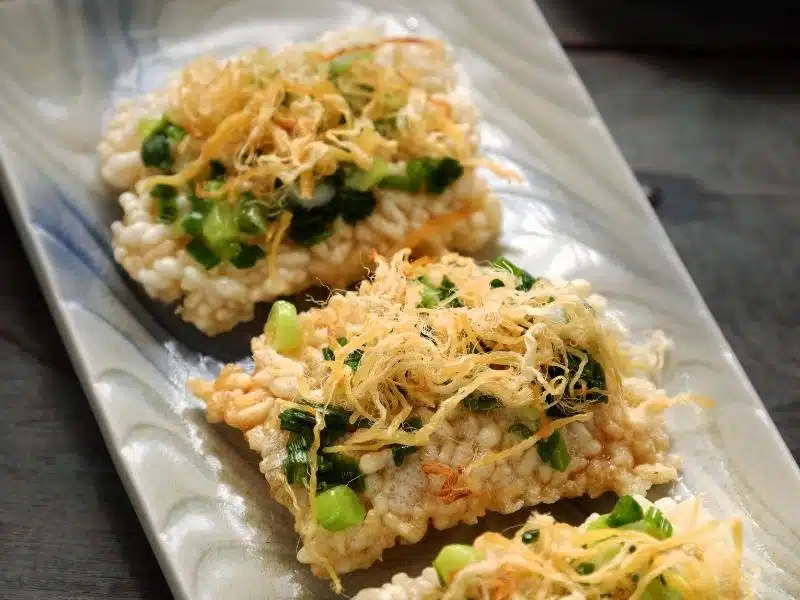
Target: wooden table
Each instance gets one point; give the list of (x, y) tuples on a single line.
[(706, 107)]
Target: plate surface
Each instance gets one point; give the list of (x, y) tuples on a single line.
[(579, 213)]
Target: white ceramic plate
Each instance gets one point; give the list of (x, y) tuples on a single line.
[(579, 214)]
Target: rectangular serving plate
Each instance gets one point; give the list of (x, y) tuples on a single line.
[(579, 213)]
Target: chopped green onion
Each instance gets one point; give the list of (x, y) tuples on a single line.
[(529, 415), (443, 174), (192, 223), (626, 511), (341, 64), (296, 420), (295, 465), (411, 424), (247, 256), (530, 536), (314, 239), (213, 185), (149, 126), (589, 388), (323, 193), (327, 354), (338, 508), (250, 218), (199, 251), (398, 182), (157, 152), (659, 526), (174, 132), (283, 329), (310, 226), (600, 522), (219, 227), (521, 430), (342, 341), (400, 451), (447, 286), (429, 297), (654, 523), (553, 451), (417, 170), (585, 568), (526, 280), (166, 202), (217, 170), (353, 359), (354, 205), (448, 291), (201, 205), (480, 402), (452, 558), (366, 180), (337, 423), (496, 283), (336, 469)]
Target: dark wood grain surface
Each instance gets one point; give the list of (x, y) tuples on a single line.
[(717, 127)]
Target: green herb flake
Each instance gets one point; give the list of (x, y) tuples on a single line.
[(204, 255), (626, 511), (353, 359), (156, 152), (530, 536), (247, 256), (553, 451), (480, 402), (521, 430), (589, 389), (442, 174), (526, 280)]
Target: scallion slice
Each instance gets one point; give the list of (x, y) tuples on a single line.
[(296, 420), (452, 558), (166, 202), (149, 126), (192, 223), (157, 152), (353, 359), (553, 451), (219, 227), (283, 330), (247, 256), (250, 218), (626, 511), (199, 251), (417, 170), (521, 430), (338, 508), (174, 132), (366, 180), (526, 280), (480, 402), (444, 173)]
